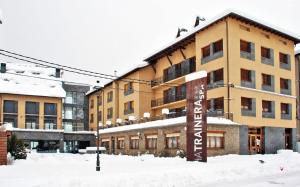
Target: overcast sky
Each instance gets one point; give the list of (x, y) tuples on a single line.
[(104, 36)]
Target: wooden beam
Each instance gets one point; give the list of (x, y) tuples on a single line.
[(169, 60), (154, 69), (182, 53)]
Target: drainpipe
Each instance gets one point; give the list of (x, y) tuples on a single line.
[(227, 59)]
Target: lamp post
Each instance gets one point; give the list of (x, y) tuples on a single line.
[(98, 138), (98, 87)]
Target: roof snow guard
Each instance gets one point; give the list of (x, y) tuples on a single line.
[(190, 36), (25, 79)]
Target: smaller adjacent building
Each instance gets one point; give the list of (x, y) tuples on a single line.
[(40, 108), (168, 137)]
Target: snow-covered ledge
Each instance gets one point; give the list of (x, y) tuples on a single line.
[(165, 123)]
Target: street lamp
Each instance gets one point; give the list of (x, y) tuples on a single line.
[(98, 87)]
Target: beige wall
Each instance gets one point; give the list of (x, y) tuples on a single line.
[(229, 30), (21, 99)]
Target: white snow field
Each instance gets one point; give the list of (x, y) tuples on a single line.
[(75, 170)]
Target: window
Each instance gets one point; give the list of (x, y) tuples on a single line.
[(246, 103), (267, 106), (69, 113), (10, 107), (245, 46), (32, 108), (215, 140), (129, 107), (110, 96), (206, 51), (128, 89), (151, 142), (92, 118), (286, 111), (92, 103), (70, 98), (218, 46), (284, 83), (109, 113), (218, 75), (266, 79), (32, 115), (31, 123), (285, 108), (265, 52), (50, 109), (50, 123), (100, 100), (134, 142), (219, 103), (120, 143), (283, 58), (172, 140), (105, 143), (212, 51), (245, 75)]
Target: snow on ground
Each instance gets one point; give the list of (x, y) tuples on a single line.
[(123, 171)]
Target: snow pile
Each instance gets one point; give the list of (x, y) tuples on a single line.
[(165, 123), (25, 79), (118, 170)]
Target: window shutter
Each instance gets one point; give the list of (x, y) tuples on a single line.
[(253, 105), (272, 55), (288, 59), (272, 81), (252, 47), (289, 85), (253, 80), (273, 107), (290, 110)]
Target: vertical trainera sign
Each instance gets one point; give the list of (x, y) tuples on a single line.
[(196, 132)]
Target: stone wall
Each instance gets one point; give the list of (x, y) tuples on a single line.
[(3, 148), (231, 143)]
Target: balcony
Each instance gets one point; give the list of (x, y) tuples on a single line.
[(215, 113), (285, 91), (129, 111), (216, 84), (268, 114), (167, 100), (248, 84), (128, 92), (156, 82)]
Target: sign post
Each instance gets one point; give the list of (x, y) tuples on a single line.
[(196, 133)]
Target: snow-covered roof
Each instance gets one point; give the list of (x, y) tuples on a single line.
[(121, 76), (27, 79), (297, 52), (230, 12), (165, 123)]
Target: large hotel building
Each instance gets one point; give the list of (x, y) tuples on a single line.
[(251, 91)]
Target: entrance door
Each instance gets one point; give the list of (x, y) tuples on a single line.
[(253, 144)]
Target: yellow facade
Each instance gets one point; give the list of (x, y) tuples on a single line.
[(231, 31), (22, 99)]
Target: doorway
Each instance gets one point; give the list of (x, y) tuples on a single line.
[(255, 140)]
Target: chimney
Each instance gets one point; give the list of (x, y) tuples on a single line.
[(198, 19), (178, 33), (115, 73), (57, 73), (3, 68)]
